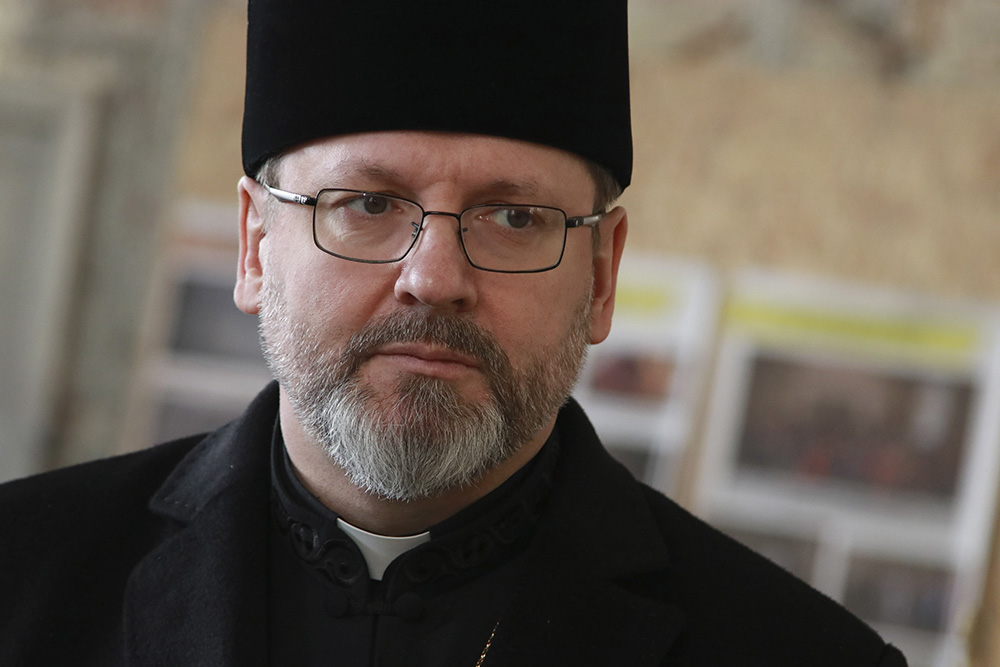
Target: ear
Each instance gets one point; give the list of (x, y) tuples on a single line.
[(249, 272), (614, 229)]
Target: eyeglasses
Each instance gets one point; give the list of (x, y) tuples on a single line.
[(374, 228)]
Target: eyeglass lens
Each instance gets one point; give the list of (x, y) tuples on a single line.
[(380, 228)]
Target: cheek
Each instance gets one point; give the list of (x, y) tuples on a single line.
[(537, 322), (333, 296)]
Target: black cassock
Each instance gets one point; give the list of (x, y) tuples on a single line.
[(184, 555), (437, 604)]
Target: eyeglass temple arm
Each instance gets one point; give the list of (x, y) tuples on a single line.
[(289, 197), (584, 221)]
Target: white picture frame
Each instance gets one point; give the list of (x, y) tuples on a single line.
[(912, 384)]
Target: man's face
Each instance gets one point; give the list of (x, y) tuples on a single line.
[(423, 374)]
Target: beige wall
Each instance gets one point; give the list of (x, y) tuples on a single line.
[(894, 185)]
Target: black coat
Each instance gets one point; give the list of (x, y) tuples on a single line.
[(158, 558)]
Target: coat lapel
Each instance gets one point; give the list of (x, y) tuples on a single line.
[(205, 584), (199, 598), (575, 604)]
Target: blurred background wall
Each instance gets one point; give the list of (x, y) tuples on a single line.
[(849, 140)]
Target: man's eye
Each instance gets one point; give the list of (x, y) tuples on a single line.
[(515, 218), (370, 204)]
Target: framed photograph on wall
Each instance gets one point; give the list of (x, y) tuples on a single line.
[(840, 426), (865, 422)]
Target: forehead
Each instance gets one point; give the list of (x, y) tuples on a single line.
[(416, 162)]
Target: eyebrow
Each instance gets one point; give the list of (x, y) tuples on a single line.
[(360, 167), (507, 187)]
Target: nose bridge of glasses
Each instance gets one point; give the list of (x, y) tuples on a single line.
[(447, 214), (418, 232), (426, 214)]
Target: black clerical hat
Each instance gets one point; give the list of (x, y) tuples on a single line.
[(553, 73)]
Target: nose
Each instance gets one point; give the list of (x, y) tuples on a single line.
[(436, 272)]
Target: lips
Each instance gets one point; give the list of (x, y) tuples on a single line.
[(427, 358)]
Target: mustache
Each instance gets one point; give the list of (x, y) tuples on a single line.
[(449, 331)]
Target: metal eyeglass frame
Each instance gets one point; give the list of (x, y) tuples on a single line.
[(286, 197)]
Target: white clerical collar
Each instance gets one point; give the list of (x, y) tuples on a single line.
[(380, 550)]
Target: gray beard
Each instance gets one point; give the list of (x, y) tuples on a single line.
[(426, 437)]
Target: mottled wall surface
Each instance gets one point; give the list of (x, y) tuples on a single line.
[(209, 160), (889, 184)]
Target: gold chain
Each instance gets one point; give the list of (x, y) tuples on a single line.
[(486, 649)]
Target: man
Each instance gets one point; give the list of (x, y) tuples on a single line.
[(426, 237)]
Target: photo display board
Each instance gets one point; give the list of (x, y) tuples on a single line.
[(852, 438)]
